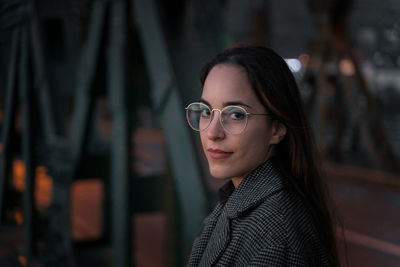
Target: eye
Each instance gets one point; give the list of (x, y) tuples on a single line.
[(236, 114), (205, 112)]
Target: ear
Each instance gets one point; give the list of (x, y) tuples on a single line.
[(278, 133)]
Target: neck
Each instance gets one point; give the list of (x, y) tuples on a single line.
[(237, 180)]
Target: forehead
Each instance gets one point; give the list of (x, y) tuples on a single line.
[(228, 83)]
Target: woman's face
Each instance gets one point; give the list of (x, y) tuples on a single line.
[(234, 156)]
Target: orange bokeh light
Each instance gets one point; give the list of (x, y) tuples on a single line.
[(43, 183)]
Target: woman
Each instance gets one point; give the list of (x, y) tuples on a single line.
[(254, 132)]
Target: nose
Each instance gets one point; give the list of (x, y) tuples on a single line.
[(215, 130)]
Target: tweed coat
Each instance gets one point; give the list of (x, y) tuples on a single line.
[(263, 222)]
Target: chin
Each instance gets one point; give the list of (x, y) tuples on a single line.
[(221, 173)]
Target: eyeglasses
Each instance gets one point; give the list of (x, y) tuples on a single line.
[(232, 118)]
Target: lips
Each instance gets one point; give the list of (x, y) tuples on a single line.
[(218, 154)]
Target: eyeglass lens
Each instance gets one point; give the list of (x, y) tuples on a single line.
[(233, 118)]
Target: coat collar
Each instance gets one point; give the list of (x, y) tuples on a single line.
[(261, 183), (264, 181)]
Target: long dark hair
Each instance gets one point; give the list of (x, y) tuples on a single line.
[(296, 154)]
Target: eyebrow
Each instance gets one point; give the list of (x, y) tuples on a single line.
[(204, 101), (229, 103)]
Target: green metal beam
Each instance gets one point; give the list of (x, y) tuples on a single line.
[(121, 233), (41, 82), (167, 101), (25, 100), (86, 74), (7, 128)]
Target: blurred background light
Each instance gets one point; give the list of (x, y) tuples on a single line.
[(346, 67), (294, 64)]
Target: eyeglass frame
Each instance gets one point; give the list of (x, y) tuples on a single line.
[(220, 117)]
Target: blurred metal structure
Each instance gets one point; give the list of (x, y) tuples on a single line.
[(63, 154), (339, 91), (168, 104)]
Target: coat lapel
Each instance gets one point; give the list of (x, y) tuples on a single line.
[(218, 241), (255, 188), (201, 242), (261, 183)]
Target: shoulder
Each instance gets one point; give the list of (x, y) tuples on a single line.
[(281, 220), (279, 231)]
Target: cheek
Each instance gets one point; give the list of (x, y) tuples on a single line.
[(256, 146)]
